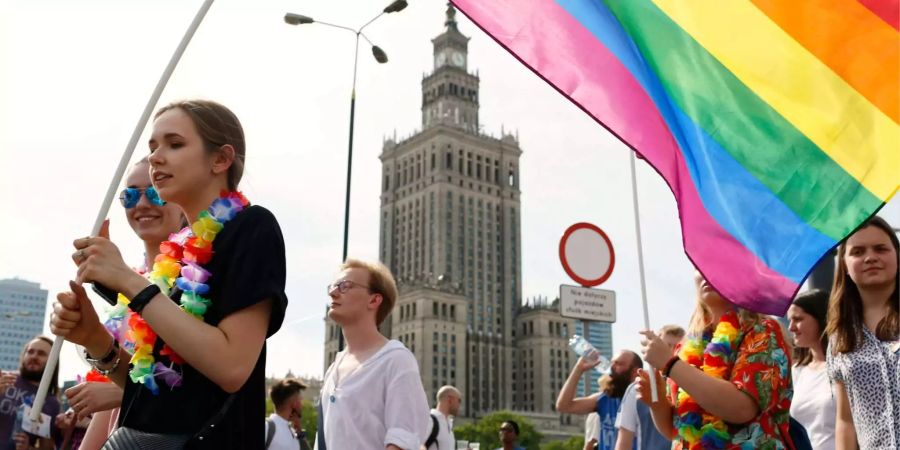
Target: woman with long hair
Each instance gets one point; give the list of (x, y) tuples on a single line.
[(152, 220), (215, 292), (813, 403), (863, 356), (729, 380)]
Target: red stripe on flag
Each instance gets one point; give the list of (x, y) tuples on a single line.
[(887, 10)]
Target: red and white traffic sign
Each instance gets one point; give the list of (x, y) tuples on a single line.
[(587, 254)]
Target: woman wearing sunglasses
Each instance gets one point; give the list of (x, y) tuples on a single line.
[(216, 291), (152, 220)]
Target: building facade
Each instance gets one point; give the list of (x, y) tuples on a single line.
[(543, 359), (22, 307)]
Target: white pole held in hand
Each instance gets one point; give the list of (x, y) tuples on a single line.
[(654, 395), (53, 359)]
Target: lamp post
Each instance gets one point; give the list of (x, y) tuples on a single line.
[(381, 57)]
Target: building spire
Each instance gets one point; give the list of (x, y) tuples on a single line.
[(451, 17)]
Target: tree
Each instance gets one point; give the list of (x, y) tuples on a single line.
[(309, 421), (573, 443), (486, 431)]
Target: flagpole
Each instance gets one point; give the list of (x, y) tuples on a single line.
[(654, 395), (53, 359)]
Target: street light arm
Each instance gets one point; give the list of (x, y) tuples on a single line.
[(336, 26), (369, 22)]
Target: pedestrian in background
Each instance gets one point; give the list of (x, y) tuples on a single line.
[(813, 404), (605, 403), (863, 356), (372, 397)]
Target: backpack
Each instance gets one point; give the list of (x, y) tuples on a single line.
[(432, 438), (270, 432)]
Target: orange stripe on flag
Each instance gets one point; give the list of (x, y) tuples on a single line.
[(888, 10), (858, 46)]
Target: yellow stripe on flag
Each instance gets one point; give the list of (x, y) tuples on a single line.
[(819, 103)]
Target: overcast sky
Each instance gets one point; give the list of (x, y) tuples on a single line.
[(76, 75)]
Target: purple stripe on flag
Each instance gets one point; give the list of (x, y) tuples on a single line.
[(547, 39)]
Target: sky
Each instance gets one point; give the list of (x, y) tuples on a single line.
[(76, 75)]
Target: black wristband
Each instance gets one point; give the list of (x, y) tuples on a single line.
[(669, 365), (142, 298)]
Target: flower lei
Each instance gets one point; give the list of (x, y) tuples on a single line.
[(183, 254), (715, 356)]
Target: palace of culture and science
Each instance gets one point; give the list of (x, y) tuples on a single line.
[(450, 232)]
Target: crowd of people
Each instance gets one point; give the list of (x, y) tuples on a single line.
[(180, 361), (737, 379)]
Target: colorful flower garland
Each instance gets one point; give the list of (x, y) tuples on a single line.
[(193, 247), (715, 355)]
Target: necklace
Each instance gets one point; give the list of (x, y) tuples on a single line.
[(337, 377), (183, 254), (715, 356)]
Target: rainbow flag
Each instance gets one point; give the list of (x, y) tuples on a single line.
[(776, 123)]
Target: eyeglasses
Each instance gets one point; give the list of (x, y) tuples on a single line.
[(344, 285), (131, 196), (507, 429)]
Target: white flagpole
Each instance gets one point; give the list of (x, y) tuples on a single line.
[(654, 395), (53, 359)]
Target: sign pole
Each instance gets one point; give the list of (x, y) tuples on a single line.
[(654, 395)]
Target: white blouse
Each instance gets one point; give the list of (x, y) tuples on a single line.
[(814, 406), (382, 402)]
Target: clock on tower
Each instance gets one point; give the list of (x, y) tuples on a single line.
[(458, 58)]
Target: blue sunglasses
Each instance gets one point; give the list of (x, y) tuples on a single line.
[(131, 196)]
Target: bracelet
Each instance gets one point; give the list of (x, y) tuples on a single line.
[(143, 298), (107, 357), (669, 365), (106, 372)]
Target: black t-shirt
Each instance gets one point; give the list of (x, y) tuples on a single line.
[(248, 266)]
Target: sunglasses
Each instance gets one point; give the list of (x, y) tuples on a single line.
[(131, 196)]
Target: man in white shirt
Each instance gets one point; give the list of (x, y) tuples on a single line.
[(591, 430), (372, 397), (448, 401), (634, 420), (288, 402)]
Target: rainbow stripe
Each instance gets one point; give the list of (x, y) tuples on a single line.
[(775, 123)]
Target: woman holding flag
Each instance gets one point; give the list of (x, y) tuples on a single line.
[(863, 356), (216, 291), (730, 379)]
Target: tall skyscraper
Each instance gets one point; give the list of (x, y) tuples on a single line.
[(450, 221), (22, 308)]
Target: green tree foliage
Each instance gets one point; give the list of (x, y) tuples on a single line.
[(573, 443), (486, 431), (309, 421)]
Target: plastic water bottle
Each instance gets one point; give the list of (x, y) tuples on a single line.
[(582, 347)]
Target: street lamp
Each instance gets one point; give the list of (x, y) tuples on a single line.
[(381, 57)]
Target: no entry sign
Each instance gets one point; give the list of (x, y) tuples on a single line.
[(586, 254)]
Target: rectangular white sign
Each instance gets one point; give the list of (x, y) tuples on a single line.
[(578, 302)]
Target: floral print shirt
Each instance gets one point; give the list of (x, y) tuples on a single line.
[(762, 370)]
